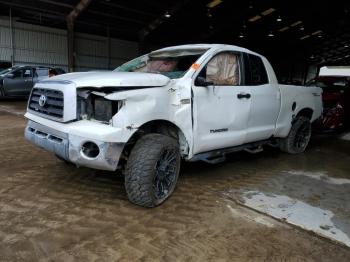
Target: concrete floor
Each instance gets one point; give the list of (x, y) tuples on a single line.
[(50, 211)]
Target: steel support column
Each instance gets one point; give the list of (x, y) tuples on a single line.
[(12, 40), (70, 19)]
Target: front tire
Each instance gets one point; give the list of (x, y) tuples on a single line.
[(152, 170), (298, 137)]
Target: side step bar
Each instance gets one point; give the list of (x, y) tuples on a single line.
[(218, 156)]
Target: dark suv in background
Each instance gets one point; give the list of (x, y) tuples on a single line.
[(18, 81)]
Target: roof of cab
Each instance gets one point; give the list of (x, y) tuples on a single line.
[(206, 47)]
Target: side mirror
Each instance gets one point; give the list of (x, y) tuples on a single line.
[(201, 81), (10, 75)]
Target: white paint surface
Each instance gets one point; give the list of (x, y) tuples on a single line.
[(114, 79), (297, 213), (322, 176)]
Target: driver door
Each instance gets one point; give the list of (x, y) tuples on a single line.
[(220, 109)]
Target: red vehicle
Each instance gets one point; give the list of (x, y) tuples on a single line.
[(336, 103)]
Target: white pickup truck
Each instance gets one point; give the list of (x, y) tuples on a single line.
[(191, 102)]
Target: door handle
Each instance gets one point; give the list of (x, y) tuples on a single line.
[(243, 95)]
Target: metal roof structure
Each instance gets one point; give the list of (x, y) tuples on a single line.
[(314, 32)]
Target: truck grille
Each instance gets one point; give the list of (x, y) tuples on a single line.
[(53, 105)]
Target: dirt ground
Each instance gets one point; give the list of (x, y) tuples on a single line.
[(50, 211)]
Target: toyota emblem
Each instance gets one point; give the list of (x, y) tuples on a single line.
[(42, 100)]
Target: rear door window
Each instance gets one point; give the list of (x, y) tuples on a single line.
[(255, 71)]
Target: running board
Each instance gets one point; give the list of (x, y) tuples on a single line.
[(254, 150), (218, 156)]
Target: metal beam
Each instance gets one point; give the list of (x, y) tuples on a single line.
[(11, 39), (116, 17), (83, 4), (57, 3), (70, 19), (12, 4), (132, 10), (160, 20), (90, 23), (108, 47)]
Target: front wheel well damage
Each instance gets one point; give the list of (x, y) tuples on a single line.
[(163, 127)]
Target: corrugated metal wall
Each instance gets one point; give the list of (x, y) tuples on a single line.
[(5, 41), (92, 52), (48, 46)]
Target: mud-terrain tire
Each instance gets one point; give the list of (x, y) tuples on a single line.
[(298, 137), (152, 170)]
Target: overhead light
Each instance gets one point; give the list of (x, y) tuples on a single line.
[(296, 23), (316, 32), (302, 28), (304, 37), (167, 14), (209, 13), (312, 56), (214, 3), (346, 46), (241, 35), (319, 36), (254, 18), (250, 5), (268, 11), (279, 19), (284, 29), (211, 27), (271, 34)]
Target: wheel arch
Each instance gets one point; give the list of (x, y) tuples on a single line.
[(165, 127), (306, 112)]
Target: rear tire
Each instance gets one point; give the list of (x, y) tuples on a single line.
[(298, 137), (152, 170)]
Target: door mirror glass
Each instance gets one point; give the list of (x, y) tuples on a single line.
[(10, 75), (201, 81)]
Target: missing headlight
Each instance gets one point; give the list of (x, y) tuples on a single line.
[(104, 109), (92, 106)]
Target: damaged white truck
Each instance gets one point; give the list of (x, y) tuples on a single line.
[(191, 102)]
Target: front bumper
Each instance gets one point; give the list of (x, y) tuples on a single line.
[(69, 147)]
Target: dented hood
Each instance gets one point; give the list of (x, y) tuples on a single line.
[(112, 79)]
